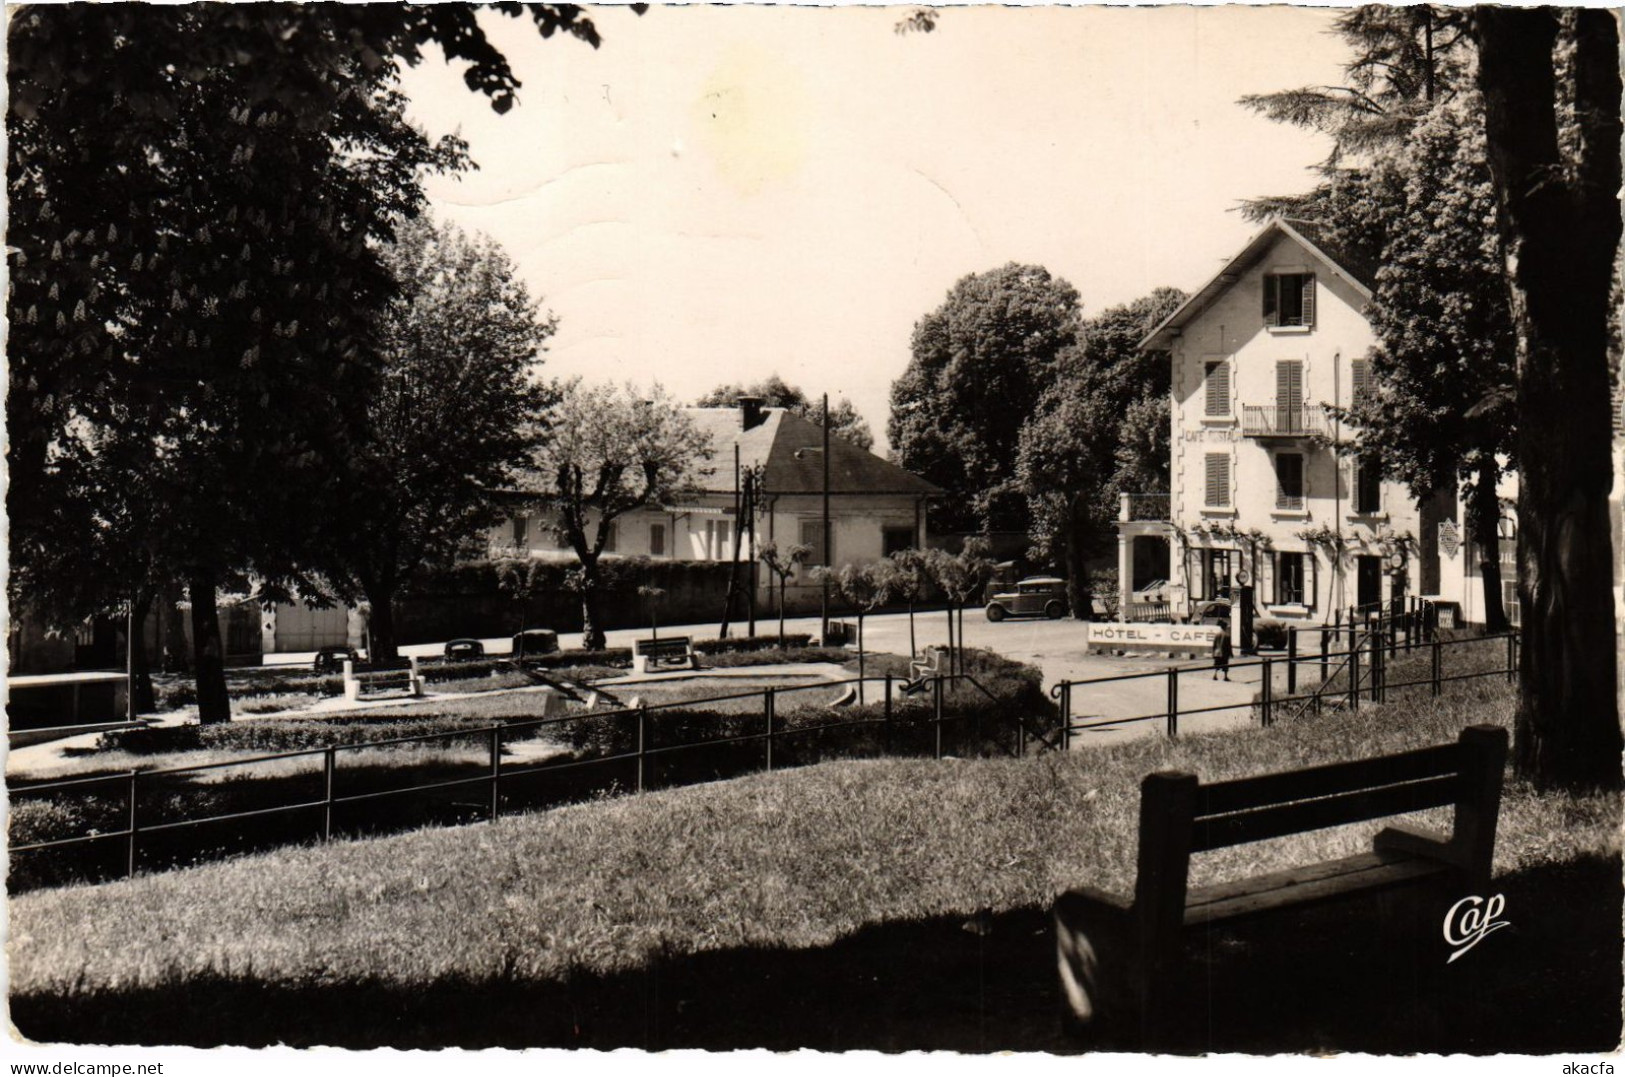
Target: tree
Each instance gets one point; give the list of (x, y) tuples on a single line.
[(192, 223), (910, 573), (979, 360), (844, 420), (863, 587), (608, 452), (1438, 414), (1551, 86), (1077, 452), (783, 566), (455, 410), (961, 577)]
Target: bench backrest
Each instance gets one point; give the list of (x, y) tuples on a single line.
[(1180, 816)]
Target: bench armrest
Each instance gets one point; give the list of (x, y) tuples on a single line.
[(1416, 841)]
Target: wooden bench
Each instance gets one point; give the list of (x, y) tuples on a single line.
[(1118, 958), (676, 652), (357, 685)]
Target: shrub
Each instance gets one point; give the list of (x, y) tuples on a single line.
[(290, 734), (744, 644)]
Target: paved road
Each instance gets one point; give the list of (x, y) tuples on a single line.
[(1056, 647)]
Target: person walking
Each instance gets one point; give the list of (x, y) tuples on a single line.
[(1221, 655)]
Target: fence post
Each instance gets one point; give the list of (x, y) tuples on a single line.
[(643, 717), (1266, 719), (1376, 667), (1325, 653), (936, 685), (129, 867), (1512, 657), (1393, 628), (1438, 657), (496, 768), (1066, 716), (1173, 702), (767, 711), (1291, 661), (888, 699), (1354, 672), (329, 765)]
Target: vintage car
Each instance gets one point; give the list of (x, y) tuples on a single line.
[(1035, 596), (462, 650)]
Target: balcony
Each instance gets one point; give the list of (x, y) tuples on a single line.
[(1306, 420), (1143, 507)]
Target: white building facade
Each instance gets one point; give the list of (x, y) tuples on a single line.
[(1259, 493)]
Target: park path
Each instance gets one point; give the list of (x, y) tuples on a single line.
[(1058, 648)]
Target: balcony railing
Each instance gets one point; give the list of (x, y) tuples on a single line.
[(1260, 421), (1142, 507)]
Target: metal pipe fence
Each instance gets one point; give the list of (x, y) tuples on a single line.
[(1341, 679), (938, 709)]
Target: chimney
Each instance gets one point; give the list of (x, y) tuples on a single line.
[(750, 412)]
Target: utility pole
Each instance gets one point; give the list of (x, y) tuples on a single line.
[(823, 636)]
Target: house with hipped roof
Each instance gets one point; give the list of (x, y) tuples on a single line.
[(875, 507)]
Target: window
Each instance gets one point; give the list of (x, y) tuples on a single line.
[(612, 537), (521, 530), (719, 539), (1289, 481), (1218, 481), (812, 536), (1289, 299), (1289, 579), (657, 540), (1367, 486), (1216, 379), (1360, 375), (895, 540), (1289, 396)]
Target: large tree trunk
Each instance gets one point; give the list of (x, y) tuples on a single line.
[(381, 623), (1484, 516), (1560, 222), (592, 624), (176, 658), (208, 653), (140, 667)]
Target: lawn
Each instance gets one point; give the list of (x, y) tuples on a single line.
[(680, 740), (891, 903)]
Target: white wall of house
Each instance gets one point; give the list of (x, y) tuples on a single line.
[(703, 528), (1232, 373)]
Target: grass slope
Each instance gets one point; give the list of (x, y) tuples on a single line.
[(554, 928)]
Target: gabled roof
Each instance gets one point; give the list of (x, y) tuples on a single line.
[(772, 445), (1339, 265)]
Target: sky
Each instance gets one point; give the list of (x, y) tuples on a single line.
[(722, 193)]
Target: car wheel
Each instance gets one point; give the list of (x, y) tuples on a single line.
[(1054, 611), (995, 613)]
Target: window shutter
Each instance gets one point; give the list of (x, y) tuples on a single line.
[(1360, 372), (1218, 480), (1309, 299), (1288, 395), (1218, 388), (1271, 307), (1289, 480), (1311, 591)]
